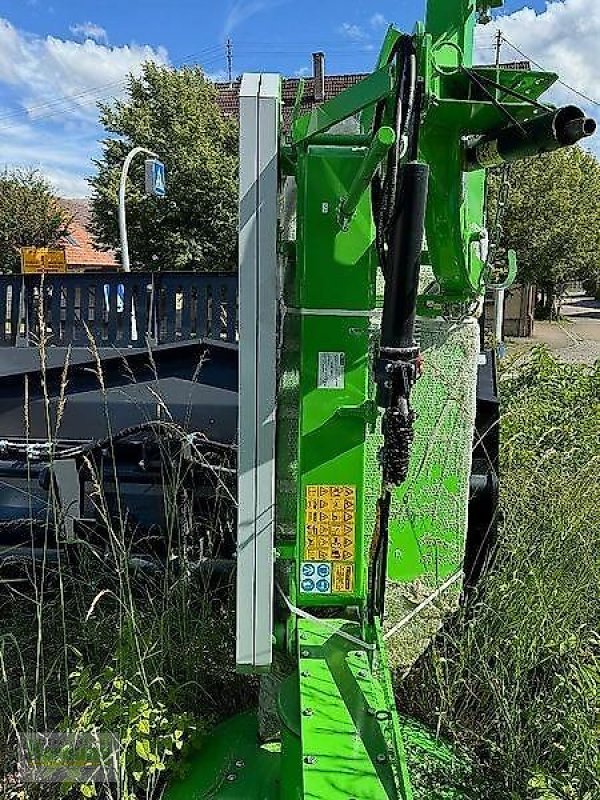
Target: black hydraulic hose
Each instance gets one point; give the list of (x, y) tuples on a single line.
[(384, 193), (153, 426), (379, 551)]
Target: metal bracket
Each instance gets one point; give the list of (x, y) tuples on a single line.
[(68, 489)]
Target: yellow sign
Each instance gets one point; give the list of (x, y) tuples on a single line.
[(342, 581), (43, 259), (330, 531)]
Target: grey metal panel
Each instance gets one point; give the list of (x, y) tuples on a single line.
[(259, 136), (267, 374), (248, 201)]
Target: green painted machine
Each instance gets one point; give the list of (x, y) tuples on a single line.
[(355, 451)]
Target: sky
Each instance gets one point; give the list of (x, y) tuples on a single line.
[(59, 57)]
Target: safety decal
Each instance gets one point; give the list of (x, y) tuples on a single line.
[(343, 578), (330, 530), (315, 577)]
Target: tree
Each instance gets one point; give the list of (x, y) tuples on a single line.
[(30, 215), (552, 219), (173, 112)]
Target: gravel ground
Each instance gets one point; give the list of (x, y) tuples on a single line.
[(575, 339)]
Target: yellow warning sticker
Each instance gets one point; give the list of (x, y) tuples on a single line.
[(342, 578), (330, 524)]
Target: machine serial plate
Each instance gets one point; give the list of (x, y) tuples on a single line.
[(329, 539), (331, 370)]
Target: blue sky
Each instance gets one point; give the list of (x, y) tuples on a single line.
[(81, 50)]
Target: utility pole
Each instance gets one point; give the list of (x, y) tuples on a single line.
[(500, 293), (229, 47), (498, 47)]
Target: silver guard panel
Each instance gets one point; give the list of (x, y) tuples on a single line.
[(258, 292)]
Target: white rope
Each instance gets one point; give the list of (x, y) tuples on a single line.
[(432, 597), (299, 612)]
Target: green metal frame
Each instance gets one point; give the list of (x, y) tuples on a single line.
[(341, 737)]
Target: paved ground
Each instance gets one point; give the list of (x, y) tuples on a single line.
[(576, 338)]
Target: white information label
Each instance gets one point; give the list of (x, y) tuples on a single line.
[(331, 371)]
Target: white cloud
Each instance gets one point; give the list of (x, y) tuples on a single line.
[(42, 68), (219, 76), (63, 157), (89, 30), (563, 38), (378, 21), (54, 85), (242, 10), (353, 32)]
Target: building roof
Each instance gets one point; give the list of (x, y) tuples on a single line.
[(80, 250), (228, 95)]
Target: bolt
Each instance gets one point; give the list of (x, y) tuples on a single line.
[(310, 760), (305, 653), (308, 712), (231, 777), (381, 758), (382, 716), (371, 712), (363, 673), (305, 673), (240, 764)]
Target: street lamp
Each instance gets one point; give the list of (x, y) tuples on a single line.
[(122, 213)]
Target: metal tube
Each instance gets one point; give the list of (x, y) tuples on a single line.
[(542, 134), (383, 140), (499, 316), (122, 213)]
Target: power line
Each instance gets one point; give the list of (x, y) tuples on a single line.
[(564, 83), (94, 91)]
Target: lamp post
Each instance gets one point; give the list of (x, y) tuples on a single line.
[(122, 213)]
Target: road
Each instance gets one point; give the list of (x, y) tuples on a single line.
[(576, 338)]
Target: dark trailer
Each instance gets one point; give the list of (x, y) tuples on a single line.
[(114, 387)]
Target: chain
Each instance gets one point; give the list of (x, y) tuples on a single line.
[(491, 262)]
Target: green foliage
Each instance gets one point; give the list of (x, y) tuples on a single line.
[(515, 678), (30, 215), (149, 734), (174, 113), (552, 218)]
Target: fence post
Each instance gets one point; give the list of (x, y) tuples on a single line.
[(22, 340), (152, 332)]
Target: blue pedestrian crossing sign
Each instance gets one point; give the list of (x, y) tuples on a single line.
[(156, 184)]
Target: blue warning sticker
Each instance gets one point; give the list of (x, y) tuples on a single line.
[(315, 577)]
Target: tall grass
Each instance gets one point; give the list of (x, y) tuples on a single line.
[(514, 678), (90, 642)]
